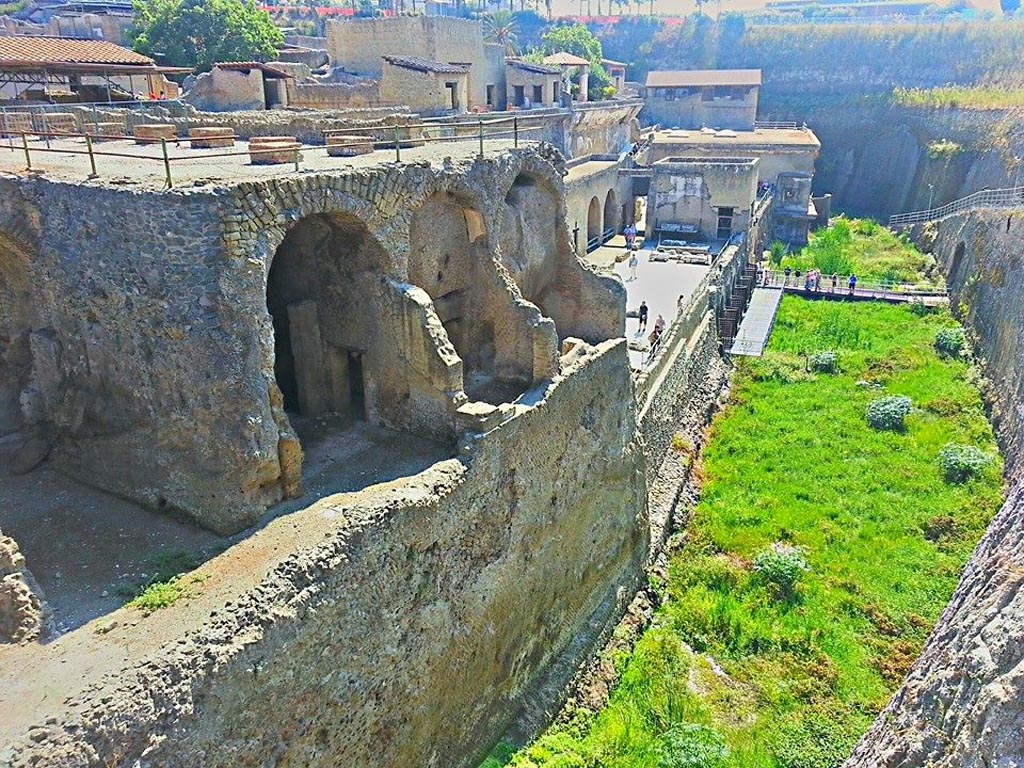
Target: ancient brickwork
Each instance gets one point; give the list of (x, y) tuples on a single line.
[(402, 626), (153, 365)]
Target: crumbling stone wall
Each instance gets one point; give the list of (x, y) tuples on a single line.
[(401, 626), (153, 354), (24, 614), (961, 705)]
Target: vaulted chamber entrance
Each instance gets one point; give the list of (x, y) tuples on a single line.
[(338, 360), (319, 295), (450, 258)]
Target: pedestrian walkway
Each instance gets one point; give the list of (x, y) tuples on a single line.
[(757, 323), (864, 291)]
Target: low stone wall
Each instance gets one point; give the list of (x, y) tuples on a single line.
[(332, 95), (962, 703), (691, 341), (401, 626)]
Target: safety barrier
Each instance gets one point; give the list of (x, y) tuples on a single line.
[(986, 198)]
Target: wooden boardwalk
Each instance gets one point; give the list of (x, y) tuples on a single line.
[(758, 321)]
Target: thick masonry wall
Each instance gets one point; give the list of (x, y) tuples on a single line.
[(143, 350), (961, 705), (401, 626)]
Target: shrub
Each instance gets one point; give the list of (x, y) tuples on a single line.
[(950, 341), (782, 565), (889, 412), (776, 252), (825, 361), (159, 595), (691, 746), (960, 463)]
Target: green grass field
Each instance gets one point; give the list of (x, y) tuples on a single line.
[(735, 673), (865, 248)]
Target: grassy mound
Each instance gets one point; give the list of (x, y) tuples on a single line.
[(865, 248), (860, 524)]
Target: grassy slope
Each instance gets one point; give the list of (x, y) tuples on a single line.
[(865, 248), (794, 683)]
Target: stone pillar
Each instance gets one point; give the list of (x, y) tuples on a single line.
[(584, 83)]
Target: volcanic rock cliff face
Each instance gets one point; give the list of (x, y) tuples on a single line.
[(963, 703)]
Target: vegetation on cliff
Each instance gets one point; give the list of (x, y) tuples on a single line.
[(820, 555), (961, 97), (870, 251)]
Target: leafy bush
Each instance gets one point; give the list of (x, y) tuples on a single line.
[(159, 595), (825, 361), (950, 341), (889, 412), (960, 463), (782, 565), (691, 746), (776, 252)]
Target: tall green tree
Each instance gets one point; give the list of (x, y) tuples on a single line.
[(579, 40), (500, 28), (198, 33)]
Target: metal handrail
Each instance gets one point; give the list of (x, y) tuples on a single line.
[(986, 198), (774, 278), (776, 124)]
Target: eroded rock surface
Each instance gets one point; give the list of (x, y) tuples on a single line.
[(24, 615)]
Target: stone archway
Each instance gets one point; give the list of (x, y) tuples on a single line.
[(593, 220), (450, 259), (611, 211), (319, 295)]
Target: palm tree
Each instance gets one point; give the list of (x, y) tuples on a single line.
[(500, 27)]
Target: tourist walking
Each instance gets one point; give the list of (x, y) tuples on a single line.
[(786, 273), (659, 325), (633, 262), (853, 284), (642, 314), (835, 281), (630, 234)]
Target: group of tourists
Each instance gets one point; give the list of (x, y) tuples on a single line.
[(812, 280), (654, 339)]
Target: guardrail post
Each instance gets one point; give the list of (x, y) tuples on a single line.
[(28, 158), (398, 148), (515, 130), (298, 154), (10, 136), (480, 132), (46, 128), (167, 163), (92, 157)]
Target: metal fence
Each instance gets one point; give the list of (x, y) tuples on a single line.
[(75, 142), (986, 198), (864, 289)]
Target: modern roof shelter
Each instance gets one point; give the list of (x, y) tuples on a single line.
[(40, 60)]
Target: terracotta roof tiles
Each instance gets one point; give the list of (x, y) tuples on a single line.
[(40, 49)]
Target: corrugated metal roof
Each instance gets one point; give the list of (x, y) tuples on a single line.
[(245, 66), (39, 49), (425, 65), (682, 78), (566, 59), (529, 66)]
